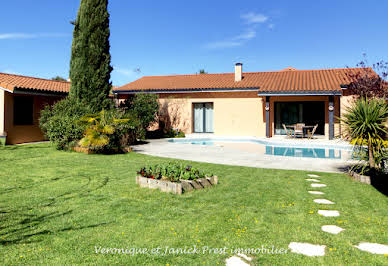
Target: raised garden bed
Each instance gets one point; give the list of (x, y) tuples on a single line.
[(360, 178), (176, 187), (174, 178)]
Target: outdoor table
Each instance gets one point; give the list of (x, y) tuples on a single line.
[(303, 128)]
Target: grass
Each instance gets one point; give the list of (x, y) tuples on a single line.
[(56, 207)]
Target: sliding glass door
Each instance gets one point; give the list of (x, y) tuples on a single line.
[(203, 118)]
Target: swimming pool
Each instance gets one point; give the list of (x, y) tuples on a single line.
[(303, 150)]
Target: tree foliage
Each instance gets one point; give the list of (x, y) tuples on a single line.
[(60, 122), (58, 78), (144, 106), (90, 56), (370, 80)]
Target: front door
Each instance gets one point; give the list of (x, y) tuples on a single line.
[(203, 117)]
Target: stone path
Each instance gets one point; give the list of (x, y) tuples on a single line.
[(318, 185), (316, 192), (373, 248), (319, 250), (312, 180), (307, 249), (323, 201), (332, 229), (238, 260), (329, 213)]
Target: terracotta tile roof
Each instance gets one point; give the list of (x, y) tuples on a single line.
[(288, 79), (12, 82)]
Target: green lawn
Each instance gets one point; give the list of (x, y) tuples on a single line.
[(56, 207)]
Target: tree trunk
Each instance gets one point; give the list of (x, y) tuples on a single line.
[(371, 157)]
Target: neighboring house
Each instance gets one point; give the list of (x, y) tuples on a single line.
[(250, 103), (21, 100)]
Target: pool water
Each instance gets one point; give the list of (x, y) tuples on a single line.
[(268, 148)]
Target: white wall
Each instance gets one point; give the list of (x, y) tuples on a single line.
[(2, 104)]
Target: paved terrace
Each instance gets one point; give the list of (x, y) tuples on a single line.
[(245, 154)]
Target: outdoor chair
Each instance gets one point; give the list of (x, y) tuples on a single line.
[(310, 136), (299, 129), (287, 132)]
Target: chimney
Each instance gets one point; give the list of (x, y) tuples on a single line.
[(238, 72)]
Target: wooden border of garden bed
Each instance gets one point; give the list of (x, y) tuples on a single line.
[(176, 187)]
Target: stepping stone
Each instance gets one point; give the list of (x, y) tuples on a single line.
[(332, 229), (307, 249), (235, 261), (323, 201), (373, 248), (312, 180), (328, 213), (318, 185), (244, 256), (316, 192), (311, 175)]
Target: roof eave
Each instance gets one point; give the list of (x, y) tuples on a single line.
[(152, 91), (299, 93)]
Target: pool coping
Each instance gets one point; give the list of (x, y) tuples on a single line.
[(270, 142)]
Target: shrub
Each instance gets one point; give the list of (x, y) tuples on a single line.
[(172, 172), (109, 130), (60, 122), (143, 106), (365, 121)]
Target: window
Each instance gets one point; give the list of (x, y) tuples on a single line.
[(203, 117), (23, 110)]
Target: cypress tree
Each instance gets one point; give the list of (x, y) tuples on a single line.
[(90, 57)]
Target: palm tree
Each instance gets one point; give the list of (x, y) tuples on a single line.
[(366, 121)]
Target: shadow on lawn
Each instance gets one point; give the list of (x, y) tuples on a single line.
[(21, 225), (23, 230)]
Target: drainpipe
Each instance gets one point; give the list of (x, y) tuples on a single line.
[(267, 122), (331, 117)]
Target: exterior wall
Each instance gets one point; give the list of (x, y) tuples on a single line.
[(235, 113), (2, 116), (324, 99), (25, 133), (346, 101)]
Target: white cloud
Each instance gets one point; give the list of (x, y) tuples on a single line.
[(234, 41), (10, 71), (13, 36), (253, 18), (249, 34), (127, 72), (223, 44)]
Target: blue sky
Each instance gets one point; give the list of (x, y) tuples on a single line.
[(181, 37)]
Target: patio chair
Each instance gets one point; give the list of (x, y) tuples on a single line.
[(299, 129), (287, 132), (310, 136)]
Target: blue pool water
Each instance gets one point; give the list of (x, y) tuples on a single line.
[(280, 149)]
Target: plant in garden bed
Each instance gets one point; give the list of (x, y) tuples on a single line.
[(109, 130), (172, 172), (365, 121)]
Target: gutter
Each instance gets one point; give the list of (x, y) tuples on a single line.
[(300, 93), (185, 90), (4, 89)]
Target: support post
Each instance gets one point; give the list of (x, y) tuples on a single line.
[(331, 117), (267, 122)]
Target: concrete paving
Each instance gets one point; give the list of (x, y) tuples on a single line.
[(241, 154)]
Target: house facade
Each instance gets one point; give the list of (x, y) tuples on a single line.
[(249, 103), (21, 100)]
